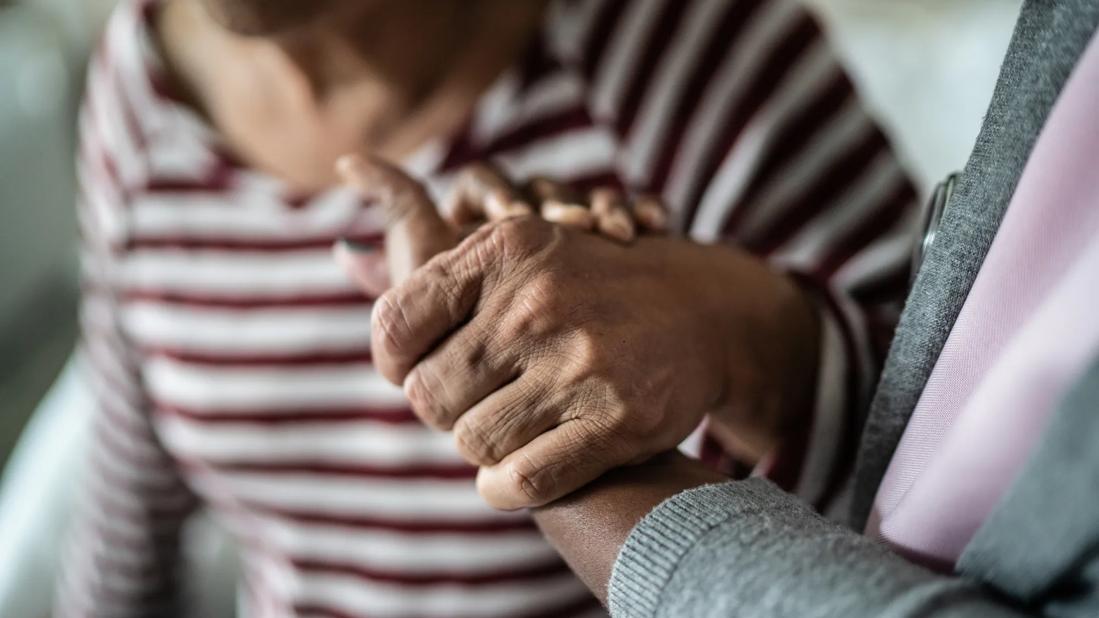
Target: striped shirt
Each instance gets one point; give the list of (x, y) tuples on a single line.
[(230, 355)]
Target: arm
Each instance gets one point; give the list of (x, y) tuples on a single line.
[(123, 550), (669, 538), (527, 325)]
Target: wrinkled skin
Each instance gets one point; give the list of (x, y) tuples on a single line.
[(556, 355)]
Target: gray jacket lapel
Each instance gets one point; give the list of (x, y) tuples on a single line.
[(1027, 548), (1049, 38)]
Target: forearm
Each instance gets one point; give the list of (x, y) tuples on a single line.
[(737, 548), (589, 526), (767, 330), (760, 400)]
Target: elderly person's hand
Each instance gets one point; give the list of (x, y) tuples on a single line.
[(555, 355), (480, 194)]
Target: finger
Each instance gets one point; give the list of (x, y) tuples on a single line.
[(651, 213), (461, 206), (501, 199), (559, 204), (435, 300), (500, 206), (506, 420), (552, 465), (612, 218), (366, 264), (458, 373), (481, 192), (414, 230), (569, 215), (441, 296)]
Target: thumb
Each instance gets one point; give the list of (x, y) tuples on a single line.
[(366, 265), (414, 231)]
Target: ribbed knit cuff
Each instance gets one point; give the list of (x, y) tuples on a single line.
[(652, 552)]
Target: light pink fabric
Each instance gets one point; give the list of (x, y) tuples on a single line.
[(1026, 331)]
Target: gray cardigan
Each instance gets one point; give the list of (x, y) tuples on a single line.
[(748, 549)]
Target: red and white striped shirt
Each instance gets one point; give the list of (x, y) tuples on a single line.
[(230, 355)]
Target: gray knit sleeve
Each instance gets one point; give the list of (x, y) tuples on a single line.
[(746, 548)]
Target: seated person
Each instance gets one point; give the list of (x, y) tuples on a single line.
[(231, 356)]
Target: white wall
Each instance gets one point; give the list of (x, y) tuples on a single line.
[(928, 66), (43, 48), (36, 96), (37, 274)]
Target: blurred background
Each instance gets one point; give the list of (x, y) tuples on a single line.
[(43, 46), (927, 68)]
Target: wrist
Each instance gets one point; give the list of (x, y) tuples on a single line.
[(590, 526), (768, 332)]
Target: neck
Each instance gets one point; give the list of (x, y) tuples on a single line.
[(410, 46), (363, 80)]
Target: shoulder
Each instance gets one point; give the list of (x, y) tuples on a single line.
[(119, 92), (124, 112), (586, 32)]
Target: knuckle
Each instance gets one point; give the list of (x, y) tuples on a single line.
[(474, 355), (588, 348), (602, 439), (488, 437), (474, 443), (534, 310), (604, 425), (518, 238), (510, 238), (616, 416), (510, 243), (421, 388), (541, 292), (584, 358), (389, 327), (531, 482)]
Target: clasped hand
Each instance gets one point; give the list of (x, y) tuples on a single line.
[(555, 355)]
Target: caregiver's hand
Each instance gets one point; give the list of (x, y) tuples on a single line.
[(555, 355)]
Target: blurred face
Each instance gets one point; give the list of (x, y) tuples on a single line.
[(268, 17)]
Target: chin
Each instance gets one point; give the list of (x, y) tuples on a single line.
[(267, 17)]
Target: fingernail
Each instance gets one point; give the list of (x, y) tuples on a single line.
[(572, 215), (559, 204), (519, 209), (618, 228), (499, 206), (354, 246), (651, 213)]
